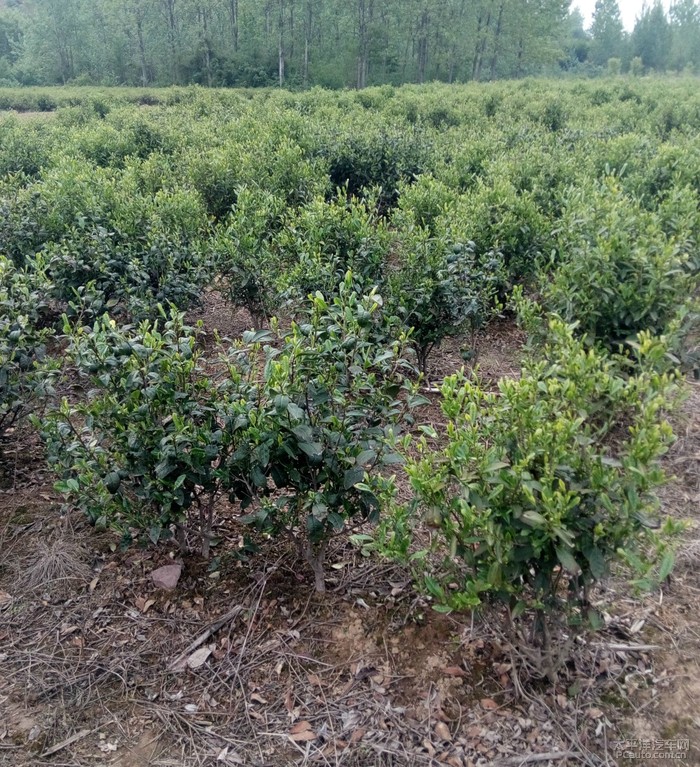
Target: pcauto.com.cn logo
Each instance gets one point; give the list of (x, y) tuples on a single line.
[(673, 750)]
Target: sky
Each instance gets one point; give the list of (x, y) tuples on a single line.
[(629, 10)]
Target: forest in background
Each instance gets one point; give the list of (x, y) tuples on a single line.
[(302, 43)]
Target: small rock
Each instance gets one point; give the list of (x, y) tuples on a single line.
[(167, 577)]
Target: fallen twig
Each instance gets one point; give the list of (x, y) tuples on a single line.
[(516, 761), (627, 647), (67, 742), (179, 663)]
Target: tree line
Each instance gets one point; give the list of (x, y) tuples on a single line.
[(332, 43), (660, 41)]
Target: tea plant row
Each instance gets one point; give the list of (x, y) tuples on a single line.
[(375, 225)]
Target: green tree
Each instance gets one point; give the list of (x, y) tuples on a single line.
[(651, 38), (685, 34), (607, 31), (54, 37), (287, 42), (577, 43), (10, 38)]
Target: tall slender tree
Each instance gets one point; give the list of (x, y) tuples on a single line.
[(651, 38), (607, 31), (685, 35)]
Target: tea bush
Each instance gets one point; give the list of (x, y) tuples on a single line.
[(320, 242), (282, 167), (69, 193), (441, 290), (127, 277), (83, 225), (22, 231), (497, 218), (423, 203), (365, 157), (25, 371), (618, 273), (541, 485), (148, 449), (24, 149), (216, 176), (332, 405), (302, 439), (244, 253)]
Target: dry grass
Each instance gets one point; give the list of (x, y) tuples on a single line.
[(54, 566)]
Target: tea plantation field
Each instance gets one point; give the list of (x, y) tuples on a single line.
[(350, 428)]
